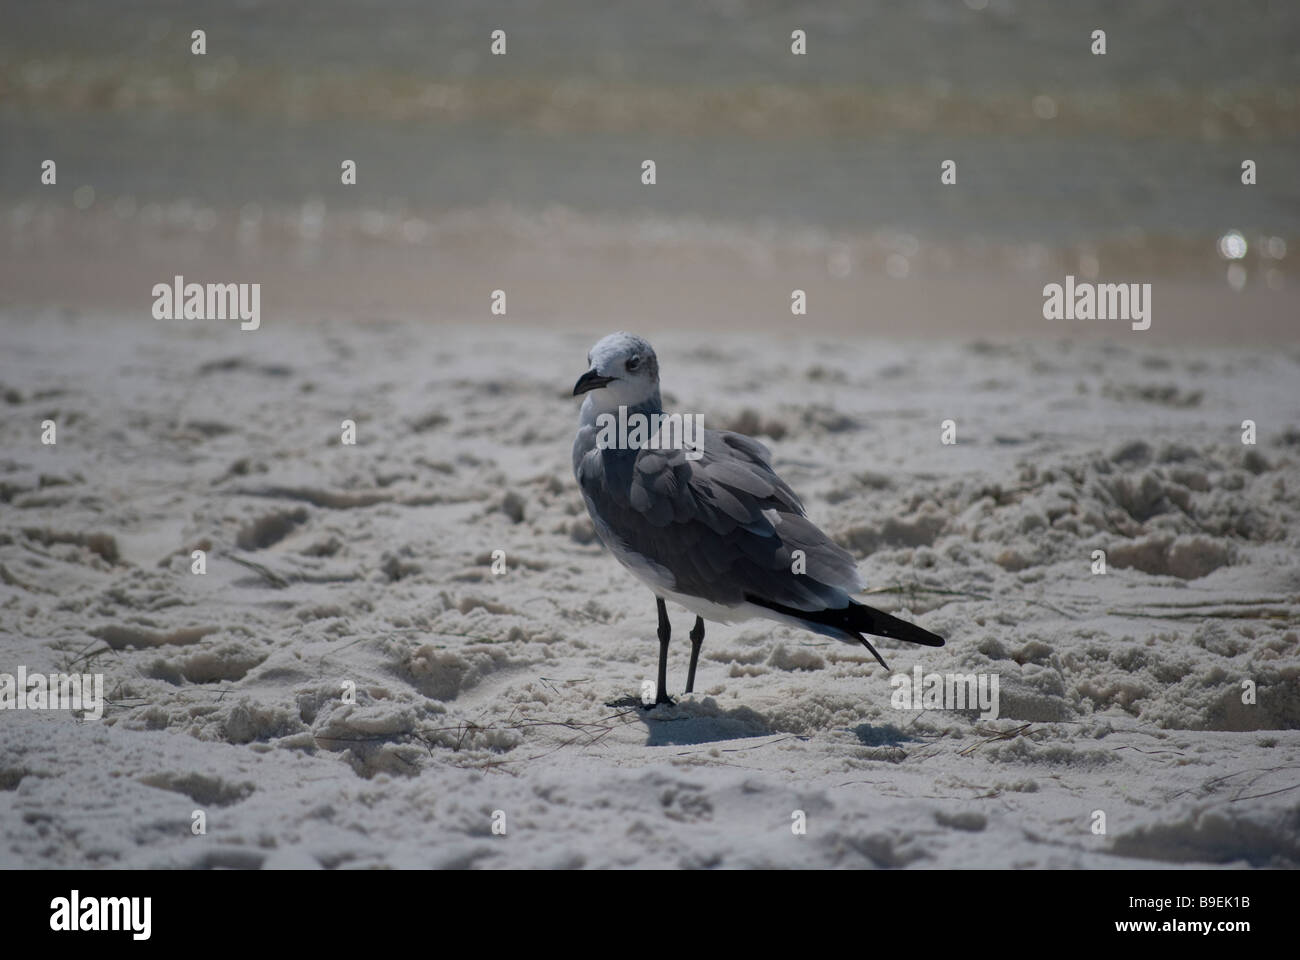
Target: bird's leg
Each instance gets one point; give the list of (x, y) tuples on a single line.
[(665, 631), (697, 638)]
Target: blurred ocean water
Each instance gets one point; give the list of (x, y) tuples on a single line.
[(1056, 149)]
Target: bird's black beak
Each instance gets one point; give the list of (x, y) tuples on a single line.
[(591, 380)]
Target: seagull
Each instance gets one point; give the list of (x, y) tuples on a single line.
[(713, 529)]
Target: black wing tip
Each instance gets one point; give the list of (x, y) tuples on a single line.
[(881, 624), (857, 619)]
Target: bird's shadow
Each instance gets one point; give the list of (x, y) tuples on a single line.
[(885, 735), (691, 721)]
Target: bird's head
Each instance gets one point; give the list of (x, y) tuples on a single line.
[(625, 370)]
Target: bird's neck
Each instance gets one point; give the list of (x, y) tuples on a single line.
[(594, 405)]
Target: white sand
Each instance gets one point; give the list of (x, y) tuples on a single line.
[(476, 693)]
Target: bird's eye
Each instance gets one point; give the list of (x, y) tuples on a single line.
[(633, 363)]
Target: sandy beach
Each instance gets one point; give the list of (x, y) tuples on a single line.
[(478, 695)]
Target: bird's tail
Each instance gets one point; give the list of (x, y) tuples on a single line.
[(855, 620), (880, 624)]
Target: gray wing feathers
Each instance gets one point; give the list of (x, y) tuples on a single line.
[(724, 525)]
